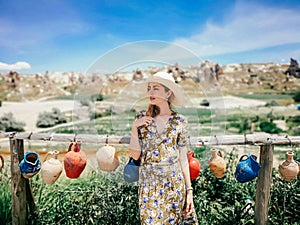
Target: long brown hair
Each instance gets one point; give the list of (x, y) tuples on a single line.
[(153, 110)]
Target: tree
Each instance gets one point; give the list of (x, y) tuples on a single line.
[(50, 119)]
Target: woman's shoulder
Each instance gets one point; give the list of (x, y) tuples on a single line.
[(179, 117)]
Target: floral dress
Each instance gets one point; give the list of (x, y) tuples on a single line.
[(162, 190)]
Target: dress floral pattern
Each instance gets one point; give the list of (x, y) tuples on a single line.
[(162, 190)]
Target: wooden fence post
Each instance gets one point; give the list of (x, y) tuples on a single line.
[(18, 183), (263, 187)]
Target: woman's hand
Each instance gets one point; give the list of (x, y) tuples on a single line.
[(189, 205), (143, 121)]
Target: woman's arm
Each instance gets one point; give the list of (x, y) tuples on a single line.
[(186, 173), (134, 145)]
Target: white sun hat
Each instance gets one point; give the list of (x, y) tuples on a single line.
[(168, 81)]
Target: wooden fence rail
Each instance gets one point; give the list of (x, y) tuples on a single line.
[(22, 196), (249, 139)]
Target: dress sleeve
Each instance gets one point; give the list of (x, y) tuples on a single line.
[(183, 134)]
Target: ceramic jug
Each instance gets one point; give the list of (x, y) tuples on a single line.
[(247, 168), (51, 168), (107, 158), (75, 161), (194, 165), (289, 169), (30, 164), (1, 162), (131, 170), (217, 164)]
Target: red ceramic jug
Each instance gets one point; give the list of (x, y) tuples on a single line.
[(75, 161), (1, 162), (194, 165)]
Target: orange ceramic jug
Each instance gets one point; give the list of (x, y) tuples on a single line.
[(194, 165), (289, 169), (75, 161), (217, 164), (52, 168)]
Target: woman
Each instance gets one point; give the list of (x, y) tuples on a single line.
[(159, 138)]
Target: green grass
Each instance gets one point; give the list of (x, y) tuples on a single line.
[(263, 96)]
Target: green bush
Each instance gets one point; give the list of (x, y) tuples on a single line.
[(50, 119), (5, 196), (101, 198), (8, 123), (105, 198), (97, 97), (294, 119), (243, 125), (284, 204), (296, 96), (269, 127)]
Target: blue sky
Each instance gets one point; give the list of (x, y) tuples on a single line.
[(69, 35)]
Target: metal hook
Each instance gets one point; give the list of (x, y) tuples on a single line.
[(216, 139), (290, 141), (245, 139), (51, 137), (29, 136), (106, 140)]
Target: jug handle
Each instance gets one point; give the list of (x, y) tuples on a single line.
[(2, 159), (70, 146), (191, 153), (50, 152), (220, 153), (253, 157), (241, 159), (55, 153)]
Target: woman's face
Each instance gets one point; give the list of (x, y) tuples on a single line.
[(157, 93)]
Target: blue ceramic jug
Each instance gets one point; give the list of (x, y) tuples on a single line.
[(131, 170), (30, 164), (247, 168)]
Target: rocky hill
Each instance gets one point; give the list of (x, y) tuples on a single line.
[(232, 79)]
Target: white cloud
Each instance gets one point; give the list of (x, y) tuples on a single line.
[(15, 66), (247, 27)]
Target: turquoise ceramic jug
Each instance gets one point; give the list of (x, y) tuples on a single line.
[(30, 164), (247, 168), (131, 170)]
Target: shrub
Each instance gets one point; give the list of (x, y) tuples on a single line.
[(5, 196), (269, 127), (8, 123), (294, 119), (296, 96), (104, 198), (243, 125), (284, 204), (50, 119), (97, 199), (97, 97)]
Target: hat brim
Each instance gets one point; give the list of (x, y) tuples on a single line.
[(178, 99)]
